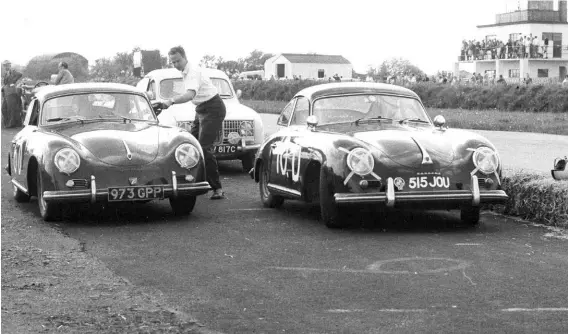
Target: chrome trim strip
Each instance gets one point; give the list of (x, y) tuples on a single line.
[(475, 191), (174, 184), (19, 186), (426, 159), (93, 189), (284, 190), (390, 192), (128, 153)]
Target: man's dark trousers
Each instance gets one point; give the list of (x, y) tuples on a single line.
[(206, 127)]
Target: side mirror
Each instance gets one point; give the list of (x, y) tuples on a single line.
[(158, 107), (439, 121), (150, 95), (239, 93), (312, 122)]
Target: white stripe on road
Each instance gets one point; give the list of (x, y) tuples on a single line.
[(466, 244), (250, 209), (538, 309), (386, 310)]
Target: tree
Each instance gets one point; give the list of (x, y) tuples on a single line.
[(209, 61), (104, 70), (255, 61), (123, 62), (397, 67), (42, 67)]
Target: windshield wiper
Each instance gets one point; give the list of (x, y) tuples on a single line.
[(378, 118), (226, 95), (59, 119), (413, 120)]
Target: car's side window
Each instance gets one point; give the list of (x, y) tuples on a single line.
[(285, 114), (301, 111), (33, 109)]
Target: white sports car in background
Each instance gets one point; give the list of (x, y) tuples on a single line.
[(242, 132)]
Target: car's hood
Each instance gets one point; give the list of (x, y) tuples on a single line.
[(119, 144), (412, 149), (186, 112)]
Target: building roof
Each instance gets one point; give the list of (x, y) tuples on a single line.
[(315, 58), (172, 73), (349, 88)]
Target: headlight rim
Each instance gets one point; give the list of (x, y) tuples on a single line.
[(352, 153), (59, 153), (476, 154), (180, 163)]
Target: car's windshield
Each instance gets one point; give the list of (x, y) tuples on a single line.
[(174, 87), (96, 106), (350, 108)]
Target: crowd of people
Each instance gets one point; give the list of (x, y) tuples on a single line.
[(526, 46)]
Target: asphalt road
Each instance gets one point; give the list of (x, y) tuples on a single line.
[(240, 268)]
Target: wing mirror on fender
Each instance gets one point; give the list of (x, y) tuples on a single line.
[(150, 95), (158, 107), (312, 122), (439, 121)]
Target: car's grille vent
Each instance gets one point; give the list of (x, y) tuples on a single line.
[(481, 182), (228, 127), (80, 184)]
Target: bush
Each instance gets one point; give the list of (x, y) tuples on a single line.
[(534, 98)]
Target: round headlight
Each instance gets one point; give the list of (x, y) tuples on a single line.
[(247, 129), (187, 155), (360, 161), (67, 160), (486, 160)]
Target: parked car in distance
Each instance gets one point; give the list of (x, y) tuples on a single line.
[(242, 132), (98, 142), (348, 144)]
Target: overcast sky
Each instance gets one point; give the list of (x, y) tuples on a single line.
[(428, 33)]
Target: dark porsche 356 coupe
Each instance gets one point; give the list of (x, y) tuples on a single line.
[(102, 143), (364, 143)]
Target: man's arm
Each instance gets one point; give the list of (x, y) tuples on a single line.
[(59, 77), (188, 96)]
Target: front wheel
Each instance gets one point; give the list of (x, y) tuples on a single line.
[(183, 206), (330, 213), (268, 200), (470, 215), (48, 211), (20, 196)]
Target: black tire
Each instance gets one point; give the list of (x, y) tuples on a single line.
[(331, 214), (268, 200), (48, 211), (183, 206), (470, 215), (20, 196), (248, 162)]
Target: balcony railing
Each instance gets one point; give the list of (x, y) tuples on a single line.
[(516, 52), (529, 15)]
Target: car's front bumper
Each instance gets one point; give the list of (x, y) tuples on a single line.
[(95, 195), (390, 198)]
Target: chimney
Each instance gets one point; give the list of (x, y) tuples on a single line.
[(562, 8)]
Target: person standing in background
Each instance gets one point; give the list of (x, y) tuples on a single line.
[(64, 76), (11, 101)]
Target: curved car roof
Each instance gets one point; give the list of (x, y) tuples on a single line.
[(340, 88), (89, 87), (168, 73)]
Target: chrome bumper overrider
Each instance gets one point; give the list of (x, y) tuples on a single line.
[(390, 198), (94, 195)]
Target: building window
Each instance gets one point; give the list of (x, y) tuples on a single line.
[(514, 73), (490, 37), (514, 37), (321, 74), (542, 73)]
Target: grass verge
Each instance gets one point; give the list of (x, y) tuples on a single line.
[(492, 120)]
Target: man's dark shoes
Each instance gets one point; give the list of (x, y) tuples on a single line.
[(218, 194)]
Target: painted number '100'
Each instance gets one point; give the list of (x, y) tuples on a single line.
[(419, 182)]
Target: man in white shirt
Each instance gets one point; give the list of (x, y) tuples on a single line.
[(210, 112)]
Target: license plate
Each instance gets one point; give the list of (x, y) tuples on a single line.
[(225, 149), (429, 182), (142, 193)]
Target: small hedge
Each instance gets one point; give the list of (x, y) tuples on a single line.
[(533, 98), (537, 197)]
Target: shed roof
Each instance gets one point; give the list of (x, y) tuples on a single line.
[(315, 58)]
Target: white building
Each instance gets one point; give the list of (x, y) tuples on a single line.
[(307, 66), (537, 18)]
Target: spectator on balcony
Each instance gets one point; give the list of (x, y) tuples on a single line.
[(528, 46), (527, 80), (545, 52)]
